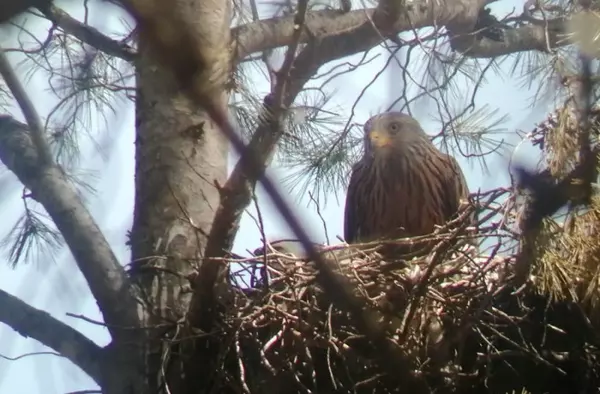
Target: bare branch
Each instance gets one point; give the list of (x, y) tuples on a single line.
[(50, 186), (39, 325), (236, 195), (88, 34), (277, 32), (359, 28)]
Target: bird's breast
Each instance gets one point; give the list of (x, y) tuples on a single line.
[(407, 195)]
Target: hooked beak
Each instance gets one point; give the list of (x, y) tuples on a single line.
[(379, 139)]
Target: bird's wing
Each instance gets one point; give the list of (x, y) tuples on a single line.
[(456, 187), (352, 209)]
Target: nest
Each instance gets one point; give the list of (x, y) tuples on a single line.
[(455, 314)]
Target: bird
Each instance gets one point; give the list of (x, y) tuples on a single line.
[(403, 186)]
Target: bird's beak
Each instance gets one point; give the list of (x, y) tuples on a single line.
[(379, 139)]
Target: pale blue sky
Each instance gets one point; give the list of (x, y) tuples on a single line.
[(59, 287)]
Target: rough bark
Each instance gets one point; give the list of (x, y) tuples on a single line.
[(179, 157), (50, 186)]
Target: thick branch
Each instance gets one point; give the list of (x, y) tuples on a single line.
[(88, 34), (11, 8), (27, 107), (49, 186), (39, 325), (276, 32)]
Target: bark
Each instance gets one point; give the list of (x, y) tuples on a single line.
[(25, 151), (110, 287), (179, 157)]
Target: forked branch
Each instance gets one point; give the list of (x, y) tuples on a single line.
[(24, 151)]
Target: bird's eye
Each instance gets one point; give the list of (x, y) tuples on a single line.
[(394, 127)]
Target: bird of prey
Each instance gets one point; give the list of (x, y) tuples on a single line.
[(403, 186)]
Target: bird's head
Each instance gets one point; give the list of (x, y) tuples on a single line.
[(392, 130)]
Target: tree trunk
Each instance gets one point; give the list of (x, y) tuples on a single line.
[(180, 155)]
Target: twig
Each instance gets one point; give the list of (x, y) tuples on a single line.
[(318, 208), (88, 34)]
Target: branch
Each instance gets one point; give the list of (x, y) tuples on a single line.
[(88, 34), (39, 325), (359, 26), (31, 116), (236, 195), (50, 187), (12, 8)]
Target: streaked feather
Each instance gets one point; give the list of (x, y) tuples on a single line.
[(403, 193)]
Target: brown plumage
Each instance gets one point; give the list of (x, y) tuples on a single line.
[(403, 185)]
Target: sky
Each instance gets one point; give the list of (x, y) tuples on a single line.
[(59, 288)]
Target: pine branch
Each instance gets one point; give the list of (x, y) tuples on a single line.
[(88, 34), (279, 31), (94, 257), (39, 325)]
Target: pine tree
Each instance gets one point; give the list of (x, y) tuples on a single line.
[(177, 320)]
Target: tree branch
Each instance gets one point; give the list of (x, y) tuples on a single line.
[(25, 151), (12, 8), (49, 186), (88, 34), (276, 32), (237, 192), (39, 325), (31, 115)]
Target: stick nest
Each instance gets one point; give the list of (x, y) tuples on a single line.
[(454, 314)]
